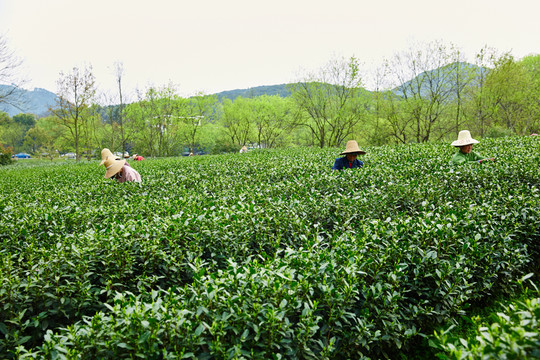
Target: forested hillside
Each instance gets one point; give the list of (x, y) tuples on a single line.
[(281, 90), (421, 96)]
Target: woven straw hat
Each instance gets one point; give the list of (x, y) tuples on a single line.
[(105, 153), (113, 166), (352, 148), (464, 138)]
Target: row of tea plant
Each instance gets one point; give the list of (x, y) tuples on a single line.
[(268, 254)]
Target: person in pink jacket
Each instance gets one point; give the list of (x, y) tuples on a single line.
[(120, 170)]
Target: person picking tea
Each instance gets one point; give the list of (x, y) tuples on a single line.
[(120, 170), (349, 161), (465, 154)]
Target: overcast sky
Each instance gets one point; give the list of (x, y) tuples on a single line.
[(216, 45)]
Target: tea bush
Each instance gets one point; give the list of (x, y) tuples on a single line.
[(513, 334), (268, 254)]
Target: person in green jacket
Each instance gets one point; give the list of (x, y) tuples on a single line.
[(465, 154)]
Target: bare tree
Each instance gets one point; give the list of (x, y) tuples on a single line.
[(119, 72), (330, 101), (10, 94), (462, 76), (111, 135), (422, 79), (76, 91)]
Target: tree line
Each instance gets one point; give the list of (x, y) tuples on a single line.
[(426, 93)]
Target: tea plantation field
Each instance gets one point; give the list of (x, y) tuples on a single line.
[(264, 255)]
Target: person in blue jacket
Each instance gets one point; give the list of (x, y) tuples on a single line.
[(349, 161)]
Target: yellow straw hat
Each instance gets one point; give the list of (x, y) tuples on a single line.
[(352, 148), (464, 138), (105, 153), (113, 166)]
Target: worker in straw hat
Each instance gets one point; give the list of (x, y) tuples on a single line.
[(105, 153), (465, 154), (349, 161), (120, 171)]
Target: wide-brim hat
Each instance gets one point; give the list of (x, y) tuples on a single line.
[(112, 166), (244, 147), (105, 153), (464, 138), (352, 148)]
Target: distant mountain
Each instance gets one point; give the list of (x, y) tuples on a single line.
[(280, 90), (443, 79), (38, 100), (35, 102)]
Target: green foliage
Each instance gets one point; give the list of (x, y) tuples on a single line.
[(5, 155), (73, 108), (236, 121), (268, 254), (331, 102), (512, 334), (422, 94), (27, 120), (498, 131), (272, 90), (510, 85), (11, 132)]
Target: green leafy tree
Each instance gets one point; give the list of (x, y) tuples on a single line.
[(422, 77), (13, 135), (155, 119), (76, 92), (5, 120), (168, 108), (462, 76), (330, 101), (110, 133), (26, 122), (397, 117), (378, 131), (198, 112), (532, 66), (13, 130), (236, 120), (139, 114), (479, 105), (91, 131), (273, 117), (5, 155), (510, 86), (45, 137)]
